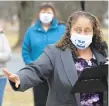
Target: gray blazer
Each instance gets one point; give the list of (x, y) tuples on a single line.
[(58, 68)]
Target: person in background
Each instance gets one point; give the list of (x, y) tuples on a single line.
[(46, 30), (5, 55), (62, 63)]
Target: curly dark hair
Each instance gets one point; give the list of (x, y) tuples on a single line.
[(97, 40)]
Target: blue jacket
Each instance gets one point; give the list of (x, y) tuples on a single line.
[(36, 39)]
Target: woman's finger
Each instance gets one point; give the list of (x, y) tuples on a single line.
[(6, 72), (12, 78), (17, 83)]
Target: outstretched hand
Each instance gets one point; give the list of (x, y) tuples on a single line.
[(12, 77)]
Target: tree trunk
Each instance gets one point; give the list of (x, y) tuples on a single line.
[(25, 14), (82, 5)]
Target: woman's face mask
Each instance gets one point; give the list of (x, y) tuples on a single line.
[(46, 18), (82, 33), (81, 41)]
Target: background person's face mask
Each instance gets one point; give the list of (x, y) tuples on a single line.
[(46, 18), (81, 41)]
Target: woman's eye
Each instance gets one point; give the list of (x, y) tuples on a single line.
[(87, 31), (78, 30)]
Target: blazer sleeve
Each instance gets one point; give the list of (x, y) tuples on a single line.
[(36, 72)]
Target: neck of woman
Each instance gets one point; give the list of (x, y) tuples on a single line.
[(45, 27), (86, 53)]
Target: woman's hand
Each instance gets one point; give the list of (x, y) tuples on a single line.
[(12, 77)]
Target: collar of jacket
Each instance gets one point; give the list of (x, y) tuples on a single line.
[(38, 25), (99, 57)]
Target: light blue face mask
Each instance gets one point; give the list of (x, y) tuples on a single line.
[(46, 18), (81, 41)]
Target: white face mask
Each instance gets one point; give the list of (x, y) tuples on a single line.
[(81, 41), (46, 18)]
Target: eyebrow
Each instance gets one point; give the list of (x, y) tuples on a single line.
[(75, 27), (81, 27)]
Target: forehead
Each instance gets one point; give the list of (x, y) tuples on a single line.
[(47, 10), (82, 22)]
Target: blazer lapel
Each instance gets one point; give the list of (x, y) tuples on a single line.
[(99, 57), (69, 66), (70, 70)]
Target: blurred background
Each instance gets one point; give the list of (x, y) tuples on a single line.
[(16, 16)]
